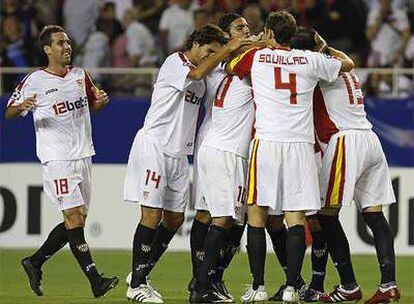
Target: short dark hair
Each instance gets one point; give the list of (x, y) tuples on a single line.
[(226, 20), (204, 35), (304, 39), (45, 36), (283, 25)]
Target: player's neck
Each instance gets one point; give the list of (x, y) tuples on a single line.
[(57, 69)]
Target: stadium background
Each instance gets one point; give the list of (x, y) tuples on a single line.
[(26, 214)]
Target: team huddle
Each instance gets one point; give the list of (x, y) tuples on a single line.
[(285, 141)]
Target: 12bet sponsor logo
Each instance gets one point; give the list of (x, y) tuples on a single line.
[(66, 106)]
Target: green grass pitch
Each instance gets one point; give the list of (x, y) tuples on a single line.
[(63, 281)]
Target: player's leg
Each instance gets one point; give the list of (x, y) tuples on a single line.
[(340, 167), (145, 183), (199, 229), (319, 256), (230, 247), (214, 242), (300, 194), (231, 244), (374, 189), (56, 239), (256, 250), (339, 250), (75, 223), (384, 246), (142, 244), (277, 231), (296, 246)]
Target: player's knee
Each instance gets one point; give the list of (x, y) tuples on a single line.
[(275, 222), (257, 216), (329, 211), (150, 217), (173, 220), (377, 208), (203, 216), (224, 222), (74, 217), (294, 218)]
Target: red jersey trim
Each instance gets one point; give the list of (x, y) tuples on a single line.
[(324, 126), (182, 57), (68, 68), (88, 87)]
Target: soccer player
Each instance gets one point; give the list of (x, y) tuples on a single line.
[(60, 98), (354, 167), (282, 172), (222, 157), (157, 171)]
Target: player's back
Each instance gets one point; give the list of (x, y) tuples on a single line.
[(283, 81), (339, 106), (232, 117), (175, 102)]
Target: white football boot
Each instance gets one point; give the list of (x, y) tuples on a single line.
[(254, 296)]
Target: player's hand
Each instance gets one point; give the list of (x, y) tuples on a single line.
[(28, 104), (101, 98), (269, 38), (235, 43), (321, 44)]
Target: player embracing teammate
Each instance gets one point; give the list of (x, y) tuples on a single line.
[(157, 172), (282, 172)]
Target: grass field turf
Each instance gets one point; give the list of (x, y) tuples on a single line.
[(63, 281)]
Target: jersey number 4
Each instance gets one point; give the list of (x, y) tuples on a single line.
[(291, 85)]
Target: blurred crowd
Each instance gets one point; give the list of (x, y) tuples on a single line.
[(141, 33)]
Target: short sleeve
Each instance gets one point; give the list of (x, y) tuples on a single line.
[(22, 91), (325, 67), (176, 71), (242, 64)]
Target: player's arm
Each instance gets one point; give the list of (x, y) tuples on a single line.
[(208, 64), (242, 64), (347, 64), (13, 112)]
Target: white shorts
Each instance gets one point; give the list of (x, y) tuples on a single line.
[(68, 182), (223, 176), (354, 168), (155, 179), (198, 192), (283, 176)]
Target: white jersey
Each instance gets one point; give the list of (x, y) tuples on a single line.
[(61, 116), (213, 81), (172, 117), (232, 117), (283, 81), (339, 106)]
